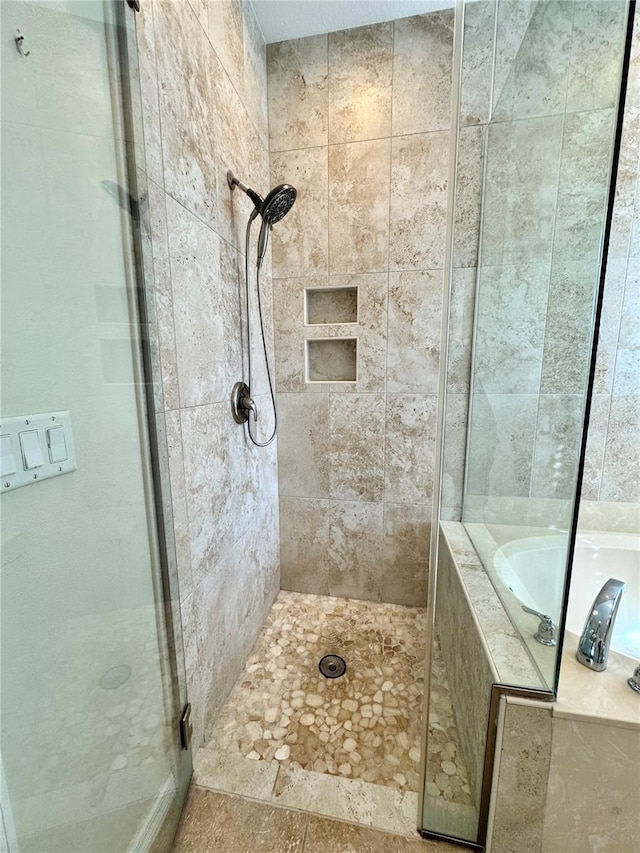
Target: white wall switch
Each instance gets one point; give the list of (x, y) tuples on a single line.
[(36, 448)]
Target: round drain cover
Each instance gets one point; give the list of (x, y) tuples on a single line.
[(332, 666), (115, 677)]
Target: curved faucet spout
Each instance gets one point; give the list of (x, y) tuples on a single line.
[(593, 648)]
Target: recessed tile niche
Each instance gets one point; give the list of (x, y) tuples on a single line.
[(331, 306), (332, 360)]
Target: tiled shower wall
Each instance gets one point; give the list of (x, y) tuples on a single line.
[(203, 78), (359, 123), (612, 466), (530, 408)]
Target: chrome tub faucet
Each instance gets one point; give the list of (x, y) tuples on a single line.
[(593, 648)]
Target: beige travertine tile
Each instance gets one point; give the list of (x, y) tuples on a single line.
[(418, 201), (300, 241), (510, 327), (413, 335), (621, 473), (359, 175), (521, 790), (475, 86), (582, 185), (406, 554), (422, 57), (409, 448), (360, 72), (303, 445), (226, 34), (194, 251), (239, 825), (356, 456), (328, 835), (521, 186), (579, 817), (186, 110), (255, 71), (149, 95), (468, 195), (179, 501), (304, 545), (298, 93), (355, 546), (163, 293)]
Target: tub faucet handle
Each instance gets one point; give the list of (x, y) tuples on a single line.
[(634, 681), (546, 633)]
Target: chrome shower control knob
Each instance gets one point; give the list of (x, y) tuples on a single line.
[(634, 681)]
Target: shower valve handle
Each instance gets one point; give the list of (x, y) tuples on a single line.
[(248, 404)]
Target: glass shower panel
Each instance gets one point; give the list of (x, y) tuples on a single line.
[(546, 175), (90, 750)]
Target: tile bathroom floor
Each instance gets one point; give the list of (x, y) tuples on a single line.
[(220, 823), (347, 747)]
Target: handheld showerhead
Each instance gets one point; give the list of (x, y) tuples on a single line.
[(275, 206), (278, 203), (272, 209)]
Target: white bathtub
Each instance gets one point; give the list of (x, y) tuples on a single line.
[(533, 569)]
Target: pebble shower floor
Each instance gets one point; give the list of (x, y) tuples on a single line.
[(365, 724)]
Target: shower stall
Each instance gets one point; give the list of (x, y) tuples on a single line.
[(362, 616)]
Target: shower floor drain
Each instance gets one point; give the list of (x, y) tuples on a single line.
[(332, 666), (115, 677)]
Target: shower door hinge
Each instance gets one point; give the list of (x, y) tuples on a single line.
[(135, 5), (186, 727)]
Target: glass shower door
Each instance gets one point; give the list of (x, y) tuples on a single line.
[(92, 680)]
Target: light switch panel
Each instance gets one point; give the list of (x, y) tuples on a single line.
[(36, 448)]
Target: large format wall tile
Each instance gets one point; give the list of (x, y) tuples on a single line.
[(199, 327), (410, 448), (572, 292), (557, 449), (537, 81), (422, 57), (583, 184), (621, 473), (304, 545), (521, 187), (300, 241), (405, 574), (359, 176), (510, 327), (500, 459), (298, 93), (226, 33), (475, 84), (163, 292), (186, 110), (356, 456), (602, 818), (418, 201), (303, 445), (598, 33), (360, 73), (413, 336), (521, 790), (354, 549), (471, 144), (627, 375)]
